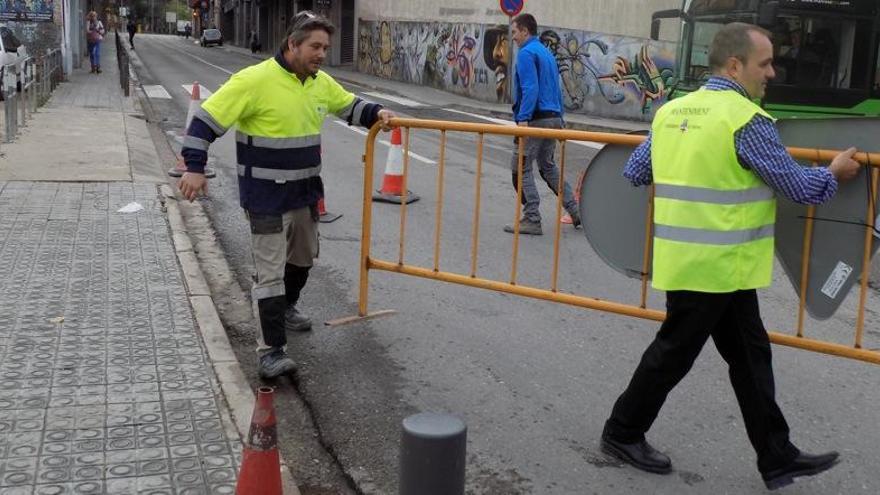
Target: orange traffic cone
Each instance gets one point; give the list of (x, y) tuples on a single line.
[(194, 103), (325, 216), (260, 463), (392, 183)]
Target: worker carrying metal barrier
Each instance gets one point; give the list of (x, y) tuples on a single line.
[(632, 219)]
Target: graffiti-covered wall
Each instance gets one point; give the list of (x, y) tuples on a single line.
[(603, 75)]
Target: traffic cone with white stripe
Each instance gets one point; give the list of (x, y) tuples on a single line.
[(260, 462), (194, 102), (392, 183)]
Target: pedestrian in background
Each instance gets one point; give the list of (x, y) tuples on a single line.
[(716, 161), (187, 30), (256, 46), (94, 37), (278, 107), (132, 29), (537, 102)]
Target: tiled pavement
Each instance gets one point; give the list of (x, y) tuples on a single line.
[(105, 386)]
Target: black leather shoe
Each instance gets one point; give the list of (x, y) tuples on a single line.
[(640, 454), (802, 465)]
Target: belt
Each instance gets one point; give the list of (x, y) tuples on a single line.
[(545, 114)]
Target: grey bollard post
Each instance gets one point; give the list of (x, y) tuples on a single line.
[(432, 455)]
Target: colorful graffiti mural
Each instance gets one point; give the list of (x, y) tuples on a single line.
[(604, 75)]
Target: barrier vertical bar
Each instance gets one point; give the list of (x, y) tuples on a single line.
[(438, 225), (560, 189), (366, 219), (866, 260), (476, 233), (805, 263), (403, 192), (649, 244), (521, 148)]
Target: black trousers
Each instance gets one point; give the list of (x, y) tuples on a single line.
[(733, 321)]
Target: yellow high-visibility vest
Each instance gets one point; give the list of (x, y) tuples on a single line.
[(713, 219)]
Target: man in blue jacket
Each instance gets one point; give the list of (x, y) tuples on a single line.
[(537, 103)]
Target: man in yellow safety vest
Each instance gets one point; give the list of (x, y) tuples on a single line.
[(716, 162)]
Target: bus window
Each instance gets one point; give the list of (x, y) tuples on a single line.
[(698, 69), (822, 53)]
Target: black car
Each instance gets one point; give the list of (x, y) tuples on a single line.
[(211, 37)]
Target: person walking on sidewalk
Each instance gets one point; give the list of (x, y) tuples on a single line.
[(715, 159), (278, 107), (132, 28), (537, 103), (94, 37)]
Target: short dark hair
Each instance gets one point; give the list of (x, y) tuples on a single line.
[(527, 22), (733, 40), (303, 24)]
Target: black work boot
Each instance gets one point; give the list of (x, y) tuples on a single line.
[(639, 454), (802, 465), (295, 321), (274, 363), (295, 278)]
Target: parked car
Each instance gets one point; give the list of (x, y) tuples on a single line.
[(211, 37)]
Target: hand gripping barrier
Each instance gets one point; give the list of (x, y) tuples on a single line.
[(368, 262)]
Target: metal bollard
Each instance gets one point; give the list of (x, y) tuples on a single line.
[(432, 455), (10, 108)]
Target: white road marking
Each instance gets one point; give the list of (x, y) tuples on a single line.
[(156, 91), (362, 132), (204, 92), (221, 69), (588, 144), (396, 99)]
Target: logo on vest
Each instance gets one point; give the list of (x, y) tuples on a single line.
[(684, 126)]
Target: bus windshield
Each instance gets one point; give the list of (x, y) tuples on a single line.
[(822, 56)]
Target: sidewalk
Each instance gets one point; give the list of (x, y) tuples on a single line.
[(444, 99), (106, 376)]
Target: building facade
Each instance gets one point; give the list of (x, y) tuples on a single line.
[(608, 66)]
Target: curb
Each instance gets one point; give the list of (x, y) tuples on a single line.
[(234, 386)]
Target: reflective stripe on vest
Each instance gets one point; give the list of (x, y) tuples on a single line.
[(279, 175), (714, 237), (714, 196), (714, 219), (278, 143)]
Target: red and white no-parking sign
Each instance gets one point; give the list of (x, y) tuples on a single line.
[(511, 7)]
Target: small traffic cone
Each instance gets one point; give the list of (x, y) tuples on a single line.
[(194, 103), (260, 463), (392, 183), (325, 216)]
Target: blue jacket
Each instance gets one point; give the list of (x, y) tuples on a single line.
[(536, 83)]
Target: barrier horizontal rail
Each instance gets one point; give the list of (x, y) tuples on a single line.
[(856, 351)]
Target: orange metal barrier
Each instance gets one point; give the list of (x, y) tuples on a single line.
[(856, 351)]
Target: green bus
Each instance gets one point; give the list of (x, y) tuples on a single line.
[(826, 52)]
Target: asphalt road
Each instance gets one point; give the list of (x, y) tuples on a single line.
[(533, 380)]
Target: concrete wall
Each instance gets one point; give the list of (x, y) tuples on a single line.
[(602, 74), (620, 17)]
